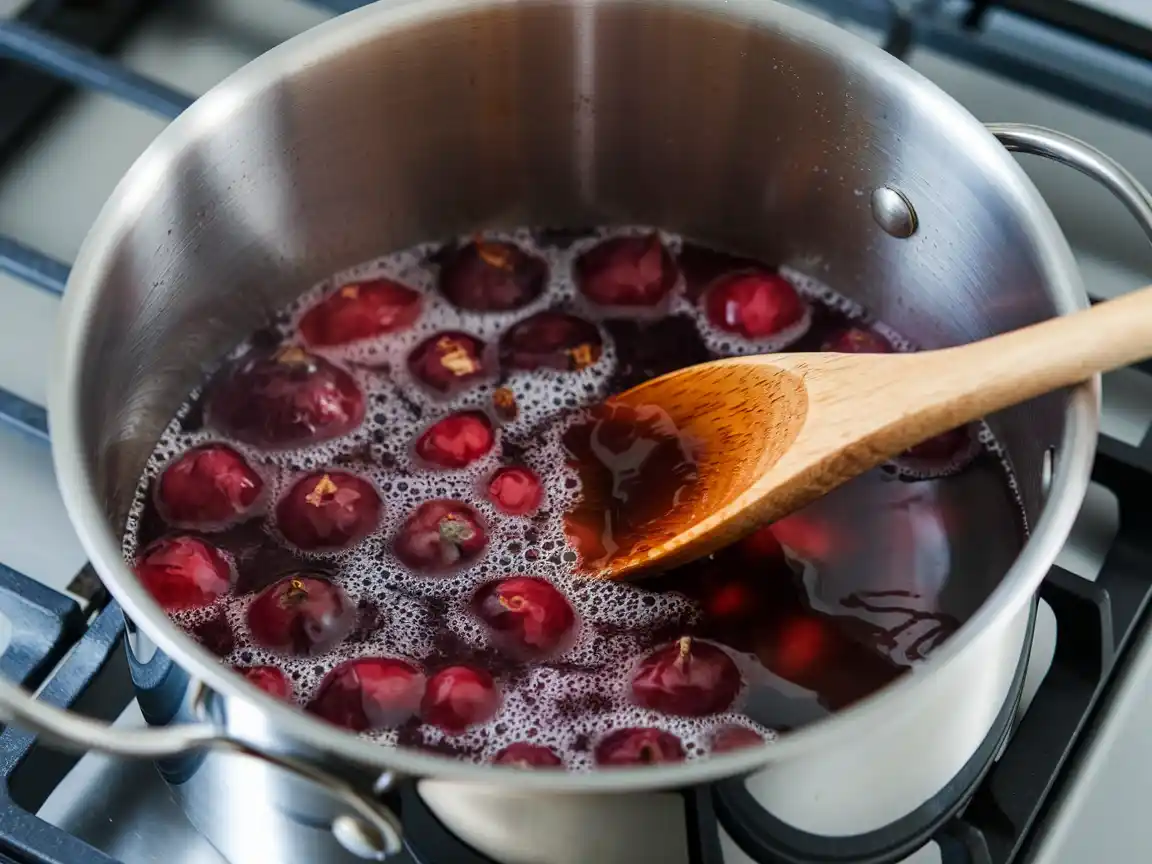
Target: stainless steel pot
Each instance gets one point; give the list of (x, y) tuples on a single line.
[(745, 123)]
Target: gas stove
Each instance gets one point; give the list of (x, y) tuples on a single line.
[(88, 83)]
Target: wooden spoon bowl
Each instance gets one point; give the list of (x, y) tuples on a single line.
[(774, 432)]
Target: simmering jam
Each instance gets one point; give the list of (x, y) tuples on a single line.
[(385, 508)]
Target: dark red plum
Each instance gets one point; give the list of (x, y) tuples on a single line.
[(183, 572), (328, 510), (360, 310), (688, 678), (457, 440), (207, 486), (459, 697), (492, 276), (526, 616), (440, 535), (286, 398), (301, 615), (638, 746), (370, 693)]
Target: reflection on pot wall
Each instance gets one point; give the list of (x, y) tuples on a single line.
[(1109, 246)]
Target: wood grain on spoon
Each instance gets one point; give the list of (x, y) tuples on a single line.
[(777, 431)]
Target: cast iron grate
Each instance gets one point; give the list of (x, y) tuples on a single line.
[(55, 46)]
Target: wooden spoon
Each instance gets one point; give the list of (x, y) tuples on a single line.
[(777, 431)]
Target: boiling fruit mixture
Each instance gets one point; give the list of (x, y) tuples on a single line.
[(384, 509)]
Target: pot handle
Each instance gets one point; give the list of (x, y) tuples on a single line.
[(1062, 148), (367, 829)]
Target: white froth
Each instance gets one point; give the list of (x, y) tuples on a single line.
[(398, 408)]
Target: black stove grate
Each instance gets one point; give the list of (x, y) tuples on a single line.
[(28, 94), (29, 772), (1060, 47)]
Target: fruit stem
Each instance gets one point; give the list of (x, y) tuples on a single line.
[(455, 530), (456, 358), (297, 592), (685, 644), (581, 357), (513, 604), (291, 355), (504, 400), (493, 255), (323, 489)]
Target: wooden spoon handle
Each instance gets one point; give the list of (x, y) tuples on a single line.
[(1004, 370)]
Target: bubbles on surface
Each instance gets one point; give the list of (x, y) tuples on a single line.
[(568, 702)]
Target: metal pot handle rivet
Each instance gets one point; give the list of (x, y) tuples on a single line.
[(365, 841), (1047, 471), (368, 819), (893, 212)]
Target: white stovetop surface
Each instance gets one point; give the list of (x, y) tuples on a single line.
[(52, 192)]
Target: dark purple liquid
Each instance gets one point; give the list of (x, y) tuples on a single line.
[(811, 614)]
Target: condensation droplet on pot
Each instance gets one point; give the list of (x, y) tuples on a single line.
[(893, 212)]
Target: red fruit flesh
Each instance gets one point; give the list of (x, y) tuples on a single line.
[(184, 573), (528, 618), (735, 599), (810, 537), (626, 271), (521, 754), (504, 404), (688, 678), (551, 340), (440, 535), (740, 590), (735, 606), (447, 362), (729, 738), (269, 679), (490, 276), (515, 491), (755, 305), (360, 310), (638, 746), (457, 440), (857, 340), (208, 485), (798, 647), (328, 510), (459, 697), (301, 615), (288, 398), (369, 693)]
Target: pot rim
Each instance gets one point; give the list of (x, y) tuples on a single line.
[(83, 502)]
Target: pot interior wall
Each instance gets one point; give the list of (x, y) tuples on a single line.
[(748, 126)]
